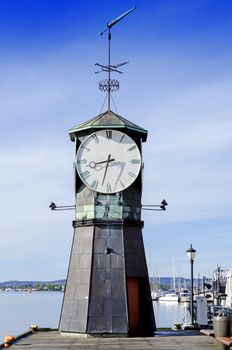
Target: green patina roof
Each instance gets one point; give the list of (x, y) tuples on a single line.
[(107, 120)]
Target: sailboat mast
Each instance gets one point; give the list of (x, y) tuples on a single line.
[(174, 277)]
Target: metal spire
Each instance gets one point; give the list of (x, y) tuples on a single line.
[(108, 84)]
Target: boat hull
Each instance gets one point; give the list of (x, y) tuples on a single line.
[(169, 297)]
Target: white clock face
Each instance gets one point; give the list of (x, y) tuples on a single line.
[(108, 161)]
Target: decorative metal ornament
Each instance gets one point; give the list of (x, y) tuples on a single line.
[(109, 85)]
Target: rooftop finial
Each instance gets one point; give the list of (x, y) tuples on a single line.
[(108, 84)]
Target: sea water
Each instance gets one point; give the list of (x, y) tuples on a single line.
[(21, 309), (169, 312)]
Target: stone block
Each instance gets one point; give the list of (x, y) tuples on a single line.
[(136, 266), (74, 262), (98, 275), (99, 308), (100, 325), (70, 288), (134, 247), (85, 276), (119, 325), (115, 232), (115, 244), (119, 308), (101, 232), (85, 261), (69, 307), (82, 309), (118, 290), (101, 261), (117, 261), (99, 245), (132, 233), (102, 291), (65, 323), (77, 325), (82, 291)]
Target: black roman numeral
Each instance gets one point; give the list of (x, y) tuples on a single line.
[(96, 139), (85, 174), (109, 134), (81, 161), (135, 161), (109, 189), (94, 184), (122, 138), (131, 174), (131, 148)]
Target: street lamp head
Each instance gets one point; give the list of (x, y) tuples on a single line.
[(208, 286), (191, 253)]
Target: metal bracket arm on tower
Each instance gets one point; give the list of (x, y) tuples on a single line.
[(154, 207), (53, 206)]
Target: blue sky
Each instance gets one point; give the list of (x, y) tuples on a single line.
[(177, 85)]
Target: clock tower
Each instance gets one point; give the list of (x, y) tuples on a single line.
[(108, 290)]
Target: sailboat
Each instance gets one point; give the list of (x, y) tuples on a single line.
[(171, 295)]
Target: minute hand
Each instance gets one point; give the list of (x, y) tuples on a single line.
[(107, 164), (93, 164), (105, 161)]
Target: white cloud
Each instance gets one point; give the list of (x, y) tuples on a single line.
[(30, 179)]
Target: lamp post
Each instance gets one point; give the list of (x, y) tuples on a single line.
[(191, 255)]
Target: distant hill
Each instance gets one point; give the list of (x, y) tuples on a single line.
[(161, 281), (181, 282), (31, 283)]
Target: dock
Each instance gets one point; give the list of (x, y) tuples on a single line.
[(48, 340)]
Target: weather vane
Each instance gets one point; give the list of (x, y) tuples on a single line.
[(108, 84)]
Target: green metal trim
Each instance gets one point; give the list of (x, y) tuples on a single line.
[(118, 122)]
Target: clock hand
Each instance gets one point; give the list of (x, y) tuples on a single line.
[(93, 164), (107, 163), (122, 166)]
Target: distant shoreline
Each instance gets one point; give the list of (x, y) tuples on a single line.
[(32, 286)]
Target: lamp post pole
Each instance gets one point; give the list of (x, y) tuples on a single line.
[(191, 255), (192, 319)]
